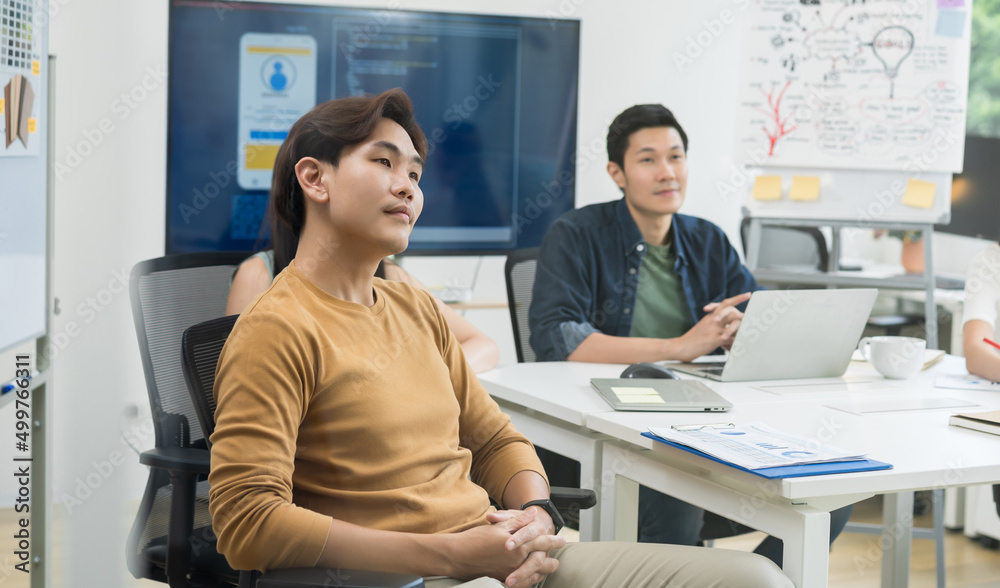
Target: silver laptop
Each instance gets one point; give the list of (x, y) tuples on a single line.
[(657, 394), (788, 334)]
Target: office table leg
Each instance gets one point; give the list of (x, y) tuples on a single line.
[(804, 529), (619, 506), (577, 444), (897, 535)]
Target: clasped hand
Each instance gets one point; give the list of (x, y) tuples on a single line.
[(513, 548)]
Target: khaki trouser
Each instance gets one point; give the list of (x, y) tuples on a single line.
[(647, 565)]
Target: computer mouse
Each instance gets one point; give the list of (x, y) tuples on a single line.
[(648, 370)]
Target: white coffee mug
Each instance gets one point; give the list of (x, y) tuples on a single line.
[(894, 357)]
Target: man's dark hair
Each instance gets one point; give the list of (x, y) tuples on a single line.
[(323, 133), (636, 118)]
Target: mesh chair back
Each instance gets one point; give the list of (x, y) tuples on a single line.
[(519, 272), (789, 247), (200, 349), (168, 295)]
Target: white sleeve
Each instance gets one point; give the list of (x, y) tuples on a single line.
[(982, 287)]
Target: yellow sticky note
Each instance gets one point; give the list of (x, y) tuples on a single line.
[(804, 188), (1, 105), (32, 125), (622, 391), (919, 194), (767, 188), (640, 399), (36, 67)]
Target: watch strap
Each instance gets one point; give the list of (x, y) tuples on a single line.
[(546, 505)]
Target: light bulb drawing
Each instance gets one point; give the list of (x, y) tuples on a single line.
[(892, 45)]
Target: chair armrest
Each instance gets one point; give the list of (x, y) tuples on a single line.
[(320, 577), (572, 498), (183, 459)]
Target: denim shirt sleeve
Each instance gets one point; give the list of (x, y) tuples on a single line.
[(740, 279), (561, 299)]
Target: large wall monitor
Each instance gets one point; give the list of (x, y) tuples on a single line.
[(496, 96)]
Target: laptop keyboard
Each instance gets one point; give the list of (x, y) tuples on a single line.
[(715, 371)]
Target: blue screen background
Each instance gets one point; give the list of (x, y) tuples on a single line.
[(496, 97)]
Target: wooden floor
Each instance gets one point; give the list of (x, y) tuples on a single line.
[(968, 564)]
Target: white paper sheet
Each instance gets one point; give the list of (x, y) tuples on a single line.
[(754, 445)]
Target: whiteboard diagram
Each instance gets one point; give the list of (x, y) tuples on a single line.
[(855, 84)]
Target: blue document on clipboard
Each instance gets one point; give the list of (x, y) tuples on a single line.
[(762, 450)]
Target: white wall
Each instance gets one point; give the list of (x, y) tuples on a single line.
[(110, 204)]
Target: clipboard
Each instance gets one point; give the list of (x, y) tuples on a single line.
[(797, 471)]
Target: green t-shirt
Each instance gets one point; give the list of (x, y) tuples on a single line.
[(660, 304)]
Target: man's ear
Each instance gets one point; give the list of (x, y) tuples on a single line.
[(617, 174), (309, 173)]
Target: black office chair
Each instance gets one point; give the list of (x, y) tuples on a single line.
[(168, 295), (519, 273), (786, 247), (200, 348)]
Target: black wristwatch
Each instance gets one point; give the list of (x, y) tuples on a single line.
[(550, 508)]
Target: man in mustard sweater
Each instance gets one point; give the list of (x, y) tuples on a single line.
[(350, 431)]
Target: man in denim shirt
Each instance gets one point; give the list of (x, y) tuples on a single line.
[(633, 280)]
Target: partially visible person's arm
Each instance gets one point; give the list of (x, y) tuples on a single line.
[(981, 358), (480, 351), (716, 329), (982, 291), (251, 279)]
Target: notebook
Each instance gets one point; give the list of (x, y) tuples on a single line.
[(663, 395)]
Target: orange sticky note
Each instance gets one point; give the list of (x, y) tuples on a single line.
[(767, 188), (36, 67), (804, 188), (919, 194)]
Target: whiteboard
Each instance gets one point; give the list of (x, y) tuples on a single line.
[(877, 84), (23, 174), (862, 196)]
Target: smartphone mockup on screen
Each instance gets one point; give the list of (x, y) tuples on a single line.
[(277, 86)]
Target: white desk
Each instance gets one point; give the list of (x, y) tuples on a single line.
[(925, 452)]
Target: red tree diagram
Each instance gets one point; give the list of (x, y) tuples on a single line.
[(773, 112)]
